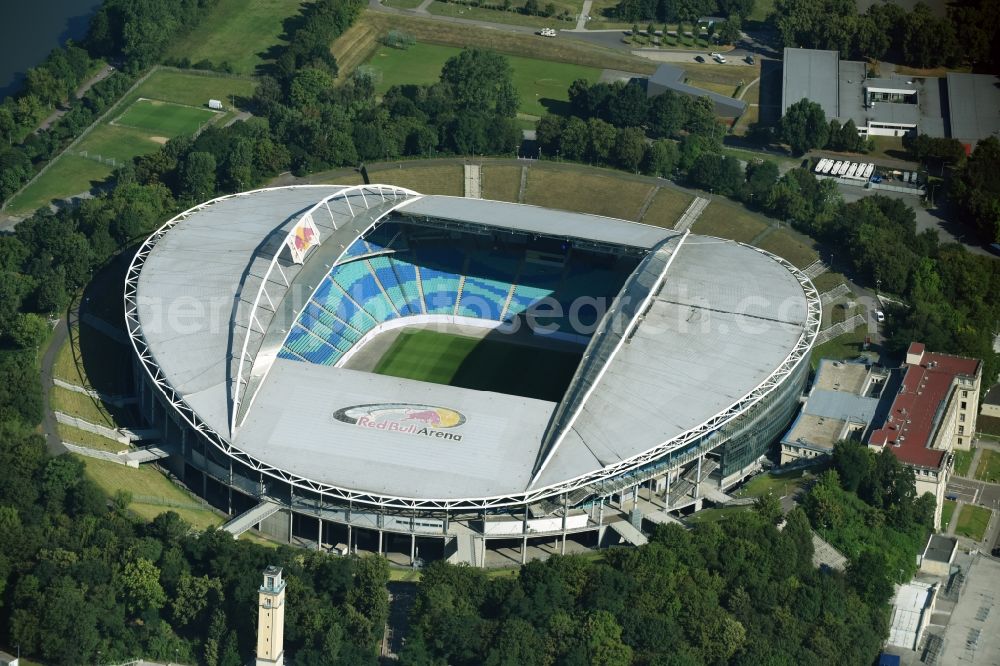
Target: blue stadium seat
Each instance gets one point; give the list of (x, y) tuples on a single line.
[(406, 275), (482, 297), (390, 282)]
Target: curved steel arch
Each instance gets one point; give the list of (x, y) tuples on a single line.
[(798, 354)]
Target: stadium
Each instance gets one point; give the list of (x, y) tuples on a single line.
[(371, 369)]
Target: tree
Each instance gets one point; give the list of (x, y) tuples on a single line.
[(139, 583), (309, 87), (853, 462), (601, 139), (197, 175), (659, 158), (629, 148), (870, 575), (761, 178), (29, 330), (731, 30), (480, 80), (803, 127)]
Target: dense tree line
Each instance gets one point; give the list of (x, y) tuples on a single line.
[(740, 591), (975, 187), (886, 31), (681, 11), (804, 127)]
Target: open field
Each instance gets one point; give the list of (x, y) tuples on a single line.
[(363, 38), (89, 439), (842, 347), (479, 363), (783, 244), (239, 32), (585, 192), (778, 485), (72, 174), (541, 85), (989, 466), (501, 183), (117, 142), (166, 118), (667, 207), (973, 521), (438, 179), (963, 461), (510, 18), (947, 511), (730, 221)]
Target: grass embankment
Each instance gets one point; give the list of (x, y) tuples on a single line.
[(152, 492), (110, 144), (784, 244), (511, 17), (436, 179), (542, 85), (779, 485), (240, 32), (586, 192), (501, 183), (667, 207), (726, 220)]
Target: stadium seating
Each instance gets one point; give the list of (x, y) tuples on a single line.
[(399, 271)]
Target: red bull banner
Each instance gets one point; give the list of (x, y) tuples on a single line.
[(404, 418), (302, 237)]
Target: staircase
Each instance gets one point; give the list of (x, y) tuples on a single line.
[(248, 519), (458, 298)]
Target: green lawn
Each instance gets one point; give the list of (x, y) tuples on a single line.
[(842, 347), (947, 510), (667, 207), (193, 88), (973, 521), (164, 118), (542, 84), (479, 364), (774, 484), (963, 460), (238, 32), (119, 143), (989, 466), (82, 406), (715, 515), (726, 220), (69, 175)]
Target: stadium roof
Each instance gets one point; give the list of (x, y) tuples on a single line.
[(700, 329)]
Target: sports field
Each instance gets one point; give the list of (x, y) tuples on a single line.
[(482, 364), (168, 119), (541, 84)]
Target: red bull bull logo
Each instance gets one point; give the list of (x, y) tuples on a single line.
[(404, 418)]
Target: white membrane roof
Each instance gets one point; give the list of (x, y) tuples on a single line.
[(725, 318)]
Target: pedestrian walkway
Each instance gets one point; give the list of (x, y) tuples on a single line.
[(692, 213), (116, 400), (249, 519), (473, 182), (581, 21), (629, 533)]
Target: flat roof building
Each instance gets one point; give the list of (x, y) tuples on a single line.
[(960, 106)]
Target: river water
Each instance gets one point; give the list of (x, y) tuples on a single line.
[(29, 30)]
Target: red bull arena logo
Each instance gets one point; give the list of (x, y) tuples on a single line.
[(405, 418)]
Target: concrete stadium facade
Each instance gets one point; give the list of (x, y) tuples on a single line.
[(710, 399)]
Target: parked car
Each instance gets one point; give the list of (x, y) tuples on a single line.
[(750, 59), (547, 32), (879, 316), (699, 59), (718, 57)]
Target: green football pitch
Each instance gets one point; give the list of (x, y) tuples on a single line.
[(483, 364), (164, 118)]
